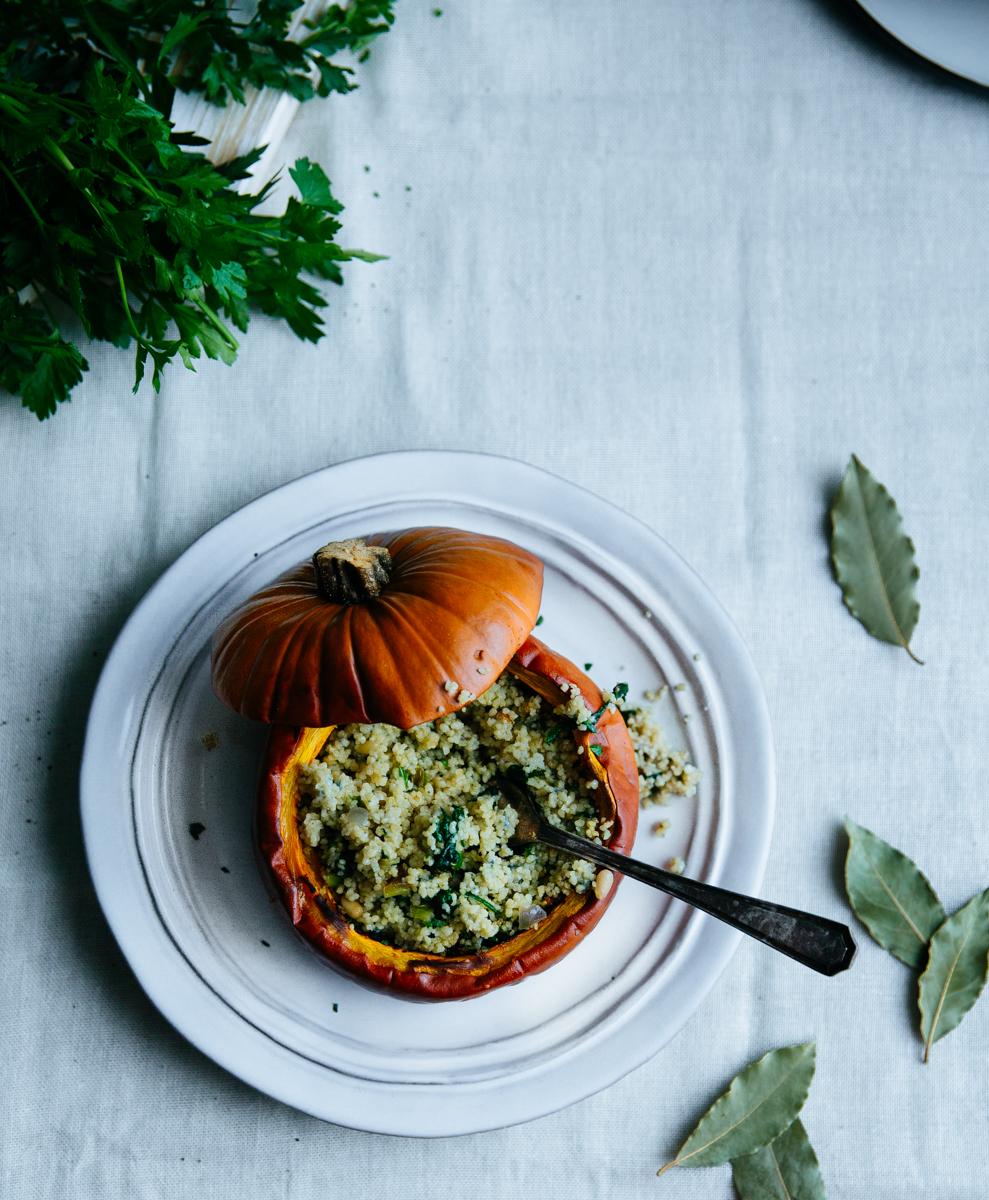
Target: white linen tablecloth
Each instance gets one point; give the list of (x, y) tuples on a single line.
[(690, 256)]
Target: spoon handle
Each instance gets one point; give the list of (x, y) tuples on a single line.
[(818, 943)]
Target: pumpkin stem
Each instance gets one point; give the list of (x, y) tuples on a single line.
[(351, 571)]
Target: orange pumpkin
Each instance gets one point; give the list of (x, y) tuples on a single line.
[(296, 876), (375, 631), (401, 628)]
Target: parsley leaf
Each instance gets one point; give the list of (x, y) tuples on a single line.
[(449, 856), (313, 185), (34, 360)]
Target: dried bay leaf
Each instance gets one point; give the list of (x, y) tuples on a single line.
[(786, 1169), (890, 896), (956, 970), (874, 559), (762, 1101)]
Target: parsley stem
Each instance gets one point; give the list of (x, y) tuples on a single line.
[(63, 160), (59, 154), (14, 108), (486, 903), (231, 340), (115, 52), (21, 110), (123, 297), (24, 196), (141, 180), (44, 305)]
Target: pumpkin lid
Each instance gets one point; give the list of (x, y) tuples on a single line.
[(398, 628)]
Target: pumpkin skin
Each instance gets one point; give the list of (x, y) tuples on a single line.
[(456, 608), (297, 882)]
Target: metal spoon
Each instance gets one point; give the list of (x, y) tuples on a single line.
[(818, 943)]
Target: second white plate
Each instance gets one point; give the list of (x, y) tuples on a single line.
[(167, 789), (953, 34)]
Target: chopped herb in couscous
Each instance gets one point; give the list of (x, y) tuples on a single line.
[(412, 834)]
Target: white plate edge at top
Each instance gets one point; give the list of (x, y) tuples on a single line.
[(203, 1017), (922, 29)]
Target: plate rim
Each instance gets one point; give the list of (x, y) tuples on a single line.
[(902, 38), (174, 996)]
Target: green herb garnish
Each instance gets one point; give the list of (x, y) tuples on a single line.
[(336, 864), (112, 213), (426, 914), (539, 619), (449, 856), (485, 903), (591, 723), (406, 778), (596, 749), (554, 733), (619, 691)]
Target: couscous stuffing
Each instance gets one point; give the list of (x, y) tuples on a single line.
[(411, 833)]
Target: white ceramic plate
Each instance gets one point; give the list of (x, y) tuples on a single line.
[(953, 34), (222, 963)]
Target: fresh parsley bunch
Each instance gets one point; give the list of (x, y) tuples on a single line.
[(109, 211)]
